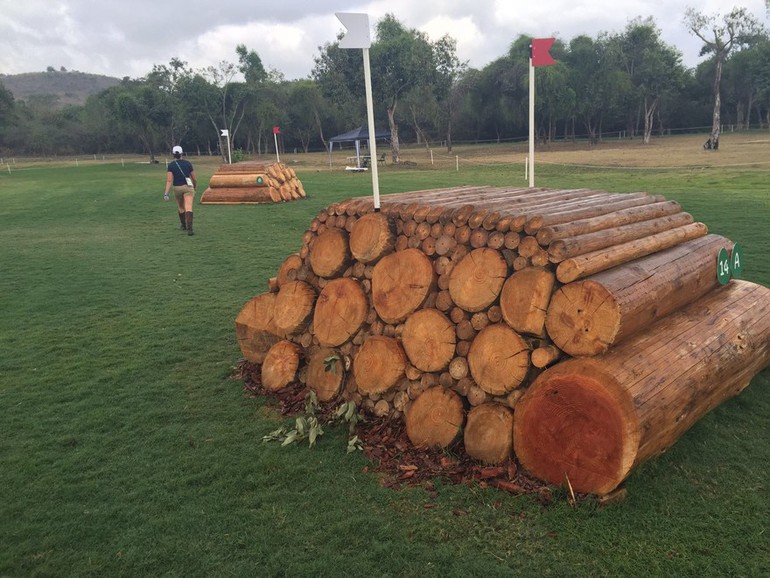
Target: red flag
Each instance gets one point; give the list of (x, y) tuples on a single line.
[(276, 130), (540, 54)]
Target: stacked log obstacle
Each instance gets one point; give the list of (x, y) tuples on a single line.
[(513, 319), (251, 182)]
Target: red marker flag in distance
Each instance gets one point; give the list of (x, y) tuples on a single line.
[(540, 54), (276, 130)]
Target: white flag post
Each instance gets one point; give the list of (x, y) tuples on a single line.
[(226, 133), (357, 36), (538, 56), (531, 122)]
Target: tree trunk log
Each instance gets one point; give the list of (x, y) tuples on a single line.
[(288, 270), (293, 307), (324, 377), (372, 237), (524, 299), (379, 365), (280, 366), (593, 420), (488, 433), (429, 340), (330, 254), (400, 284), (596, 261), (588, 317), (475, 282), (255, 327), (498, 359), (435, 418), (340, 311)]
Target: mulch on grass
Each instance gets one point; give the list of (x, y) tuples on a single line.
[(391, 454)]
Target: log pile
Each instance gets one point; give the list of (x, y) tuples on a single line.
[(251, 182), (591, 324)]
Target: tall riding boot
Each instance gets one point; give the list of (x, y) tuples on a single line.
[(183, 221), (189, 222)]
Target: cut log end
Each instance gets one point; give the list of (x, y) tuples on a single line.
[(435, 418), (571, 425), (488, 434)]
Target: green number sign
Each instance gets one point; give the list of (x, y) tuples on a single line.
[(260, 180), (723, 266), (736, 260)]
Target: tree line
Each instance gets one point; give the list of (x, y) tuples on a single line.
[(630, 83)]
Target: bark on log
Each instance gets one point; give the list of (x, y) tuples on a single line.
[(596, 261), (498, 359), (566, 248), (379, 365), (435, 418), (255, 327), (475, 282), (401, 282), (330, 253), (325, 374), (372, 237), (524, 299), (595, 419), (293, 307), (429, 340), (488, 433), (280, 366), (340, 311), (589, 316)]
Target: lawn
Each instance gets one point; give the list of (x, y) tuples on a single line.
[(126, 447)]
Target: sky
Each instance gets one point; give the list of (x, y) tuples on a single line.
[(122, 38)]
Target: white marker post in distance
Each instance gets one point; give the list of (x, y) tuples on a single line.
[(357, 36)]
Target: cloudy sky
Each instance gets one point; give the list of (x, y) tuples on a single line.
[(126, 37)]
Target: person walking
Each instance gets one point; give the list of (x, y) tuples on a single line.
[(181, 175)]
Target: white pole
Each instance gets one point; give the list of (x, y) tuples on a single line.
[(122, 163), (372, 135), (275, 139), (229, 152), (526, 168), (77, 164), (457, 163), (431, 157), (531, 122), (9, 168)]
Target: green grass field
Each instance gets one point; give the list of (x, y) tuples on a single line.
[(127, 449)]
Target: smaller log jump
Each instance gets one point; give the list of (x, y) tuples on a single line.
[(252, 183)]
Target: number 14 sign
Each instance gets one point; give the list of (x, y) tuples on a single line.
[(729, 265)]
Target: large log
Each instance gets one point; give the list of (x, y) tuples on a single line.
[(524, 299), (219, 181), (255, 327), (498, 359), (435, 418), (475, 282), (330, 253), (372, 237), (401, 282), (379, 365), (280, 366), (429, 340), (592, 420), (293, 307), (488, 433), (603, 259), (339, 312), (325, 373), (589, 316)]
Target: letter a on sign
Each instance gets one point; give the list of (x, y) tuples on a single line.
[(540, 54)]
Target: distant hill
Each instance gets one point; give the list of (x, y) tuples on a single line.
[(69, 87)]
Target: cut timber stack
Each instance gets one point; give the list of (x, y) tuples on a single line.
[(580, 330), (250, 182)]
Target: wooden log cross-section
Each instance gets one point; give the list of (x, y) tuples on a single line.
[(591, 323)]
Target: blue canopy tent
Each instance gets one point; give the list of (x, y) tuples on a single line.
[(356, 135)]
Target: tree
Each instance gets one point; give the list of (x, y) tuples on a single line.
[(720, 36), (654, 69)]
